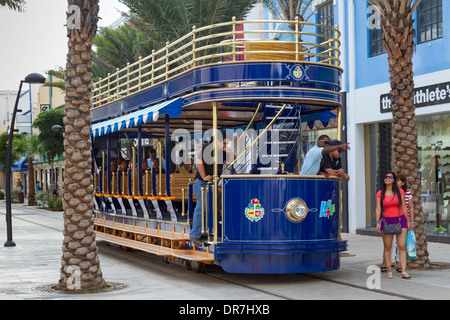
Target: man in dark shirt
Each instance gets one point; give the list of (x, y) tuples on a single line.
[(332, 163), (205, 172)]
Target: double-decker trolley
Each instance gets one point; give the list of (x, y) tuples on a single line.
[(258, 214)]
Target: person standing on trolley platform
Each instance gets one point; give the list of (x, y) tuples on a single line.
[(313, 158), (331, 164), (287, 27), (205, 173)]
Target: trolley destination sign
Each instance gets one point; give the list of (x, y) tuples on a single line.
[(425, 97)]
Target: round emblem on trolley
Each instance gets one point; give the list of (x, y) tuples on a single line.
[(254, 211), (297, 72)]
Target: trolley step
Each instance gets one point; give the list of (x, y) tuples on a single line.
[(173, 236), (161, 243)]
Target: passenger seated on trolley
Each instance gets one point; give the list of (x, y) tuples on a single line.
[(144, 166), (113, 166), (155, 164), (205, 172), (152, 154), (123, 165)]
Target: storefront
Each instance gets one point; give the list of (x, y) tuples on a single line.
[(433, 133)]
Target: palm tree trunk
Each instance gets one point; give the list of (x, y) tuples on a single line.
[(398, 37), (80, 267), (31, 184)]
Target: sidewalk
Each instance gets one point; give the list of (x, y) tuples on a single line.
[(35, 262)]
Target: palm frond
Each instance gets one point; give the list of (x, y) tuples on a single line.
[(16, 5)]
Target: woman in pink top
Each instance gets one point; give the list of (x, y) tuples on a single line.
[(390, 206), (402, 185)]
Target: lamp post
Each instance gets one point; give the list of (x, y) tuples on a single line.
[(31, 78)]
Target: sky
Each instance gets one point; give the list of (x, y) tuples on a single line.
[(35, 40)]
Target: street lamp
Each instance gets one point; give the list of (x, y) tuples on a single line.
[(31, 78), (57, 128)]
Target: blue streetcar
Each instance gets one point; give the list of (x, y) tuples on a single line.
[(258, 215)]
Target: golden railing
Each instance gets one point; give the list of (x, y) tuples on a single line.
[(215, 44)]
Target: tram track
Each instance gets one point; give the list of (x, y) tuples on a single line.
[(351, 285), (341, 283), (219, 275), (283, 297), (222, 277)]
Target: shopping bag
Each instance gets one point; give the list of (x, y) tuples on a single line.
[(411, 245)]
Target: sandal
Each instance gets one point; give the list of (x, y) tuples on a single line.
[(399, 270), (405, 276), (383, 269), (390, 275)]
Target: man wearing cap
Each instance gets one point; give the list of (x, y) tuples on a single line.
[(313, 158), (332, 163)]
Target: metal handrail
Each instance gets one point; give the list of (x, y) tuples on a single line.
[(206, 45), (259, 137)]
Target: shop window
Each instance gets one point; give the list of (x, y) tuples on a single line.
[(433, 140), (376, 42), (325, 17), (429, 21), (433, 135)]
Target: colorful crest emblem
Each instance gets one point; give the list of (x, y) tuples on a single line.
[(297, 72), (254, 212), (327, 209)]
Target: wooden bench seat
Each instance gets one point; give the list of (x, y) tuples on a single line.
[(179, 181), (272, 46)]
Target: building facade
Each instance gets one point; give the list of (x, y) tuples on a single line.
[(369, 117)]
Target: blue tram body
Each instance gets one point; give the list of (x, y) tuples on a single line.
[(273, 243), (256, 218)]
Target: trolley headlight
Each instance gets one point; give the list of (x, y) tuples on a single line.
[(296, 210)]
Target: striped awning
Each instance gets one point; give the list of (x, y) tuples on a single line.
[(20, 165), (137, 118), (324, 117)]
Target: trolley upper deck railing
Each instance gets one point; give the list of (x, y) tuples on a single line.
[(224, 42)]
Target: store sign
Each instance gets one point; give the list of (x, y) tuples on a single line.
[(424, 97), (45, 107)]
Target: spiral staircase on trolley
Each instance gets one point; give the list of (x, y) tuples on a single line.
[(276, 150)]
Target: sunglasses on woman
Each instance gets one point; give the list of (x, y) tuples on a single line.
[(389, 177)]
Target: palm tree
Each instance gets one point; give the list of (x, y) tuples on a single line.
[(114, 48), (51, 141), (398, 37), (57, 78), (29, 146), (169, 20), (80, 267), (16, 5)]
